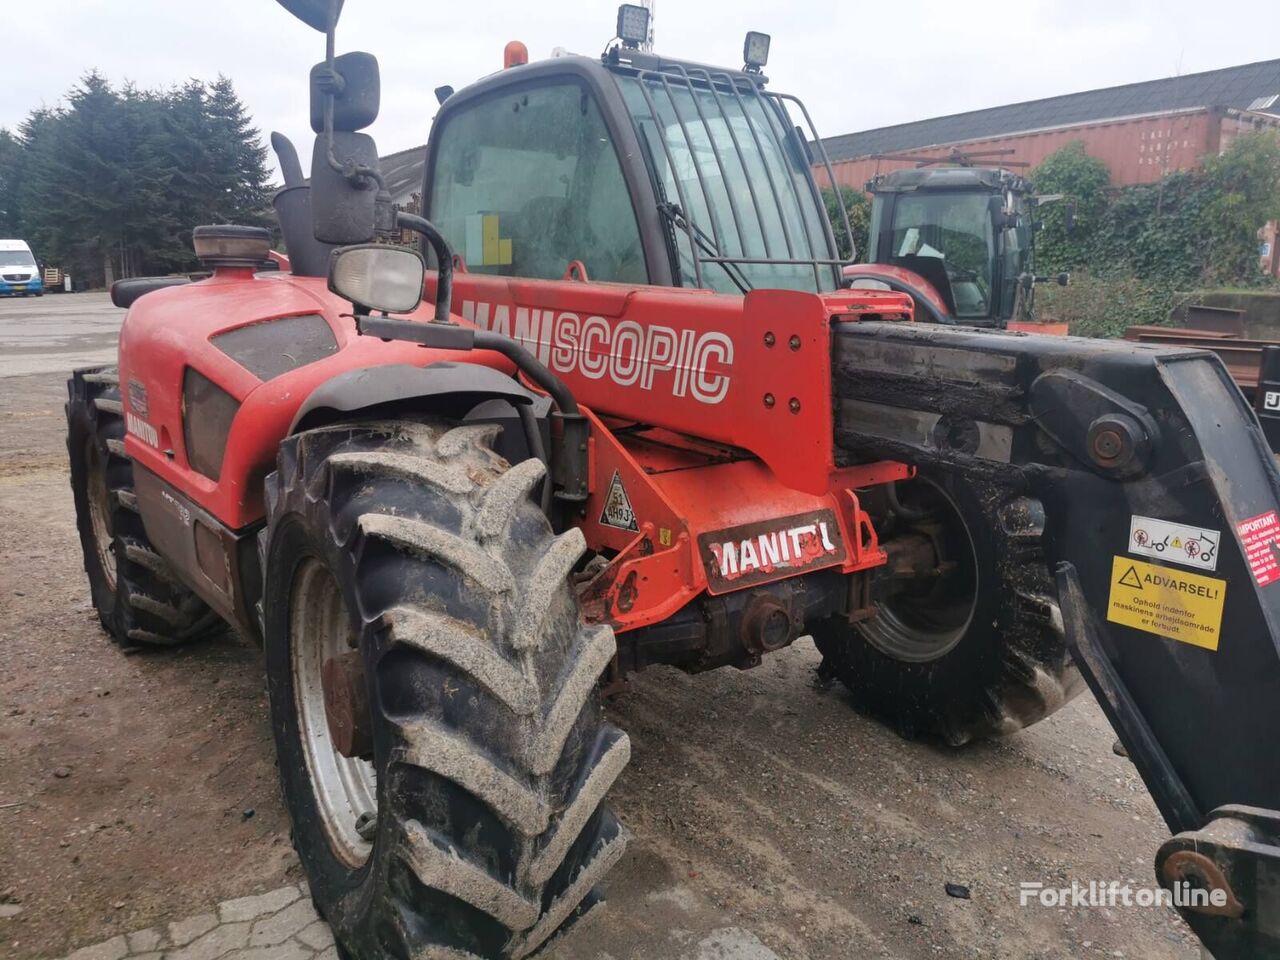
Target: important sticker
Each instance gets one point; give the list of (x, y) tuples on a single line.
[(1176, 542), (617, 510), (1169, 603), (1260, 537)]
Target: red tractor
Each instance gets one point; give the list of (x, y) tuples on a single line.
[(620, 414), (959, 238)]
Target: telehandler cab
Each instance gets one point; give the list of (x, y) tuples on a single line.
[(629, 417)]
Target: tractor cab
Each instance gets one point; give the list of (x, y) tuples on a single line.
[(958, 237), (631, 168)]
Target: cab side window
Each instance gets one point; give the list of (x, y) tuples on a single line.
[(527, 182)]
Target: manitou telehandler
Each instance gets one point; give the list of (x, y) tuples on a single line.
[(625, 415)]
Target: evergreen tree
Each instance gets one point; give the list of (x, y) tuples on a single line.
[(240, 159), (10, 174), (112, 182)]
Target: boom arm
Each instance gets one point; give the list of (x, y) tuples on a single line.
[(1160, 502)]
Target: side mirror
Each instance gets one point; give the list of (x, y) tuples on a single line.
[(355, 85), (343, 208), (378, 277), (319, 15)]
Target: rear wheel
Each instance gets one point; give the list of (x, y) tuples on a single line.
[(139, 599), (973, 645), (442, 754)]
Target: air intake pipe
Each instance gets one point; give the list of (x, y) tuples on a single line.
[(307, 255)]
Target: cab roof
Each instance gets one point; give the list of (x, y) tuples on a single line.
[(948, 178)]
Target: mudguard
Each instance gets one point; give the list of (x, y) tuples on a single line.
[(1161, 499), (450, 389)]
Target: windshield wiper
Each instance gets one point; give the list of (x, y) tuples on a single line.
[(705, 242)]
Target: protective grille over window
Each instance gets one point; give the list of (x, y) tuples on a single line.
[(734, 180)]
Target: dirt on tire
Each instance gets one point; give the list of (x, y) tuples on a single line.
[(485, 735)]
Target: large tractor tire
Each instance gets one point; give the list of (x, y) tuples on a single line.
[(975, 650), (432, 687), (139, 600)]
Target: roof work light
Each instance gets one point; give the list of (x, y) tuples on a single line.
[(633, 24), (755, 52)]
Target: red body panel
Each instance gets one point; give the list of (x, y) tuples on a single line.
[(168, 330), (682, 495), (756, 497), (753, 372), (872, 270)]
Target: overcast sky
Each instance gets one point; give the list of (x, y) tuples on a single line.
[(856, 64)]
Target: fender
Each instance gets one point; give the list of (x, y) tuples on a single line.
[(451, 389), (927, 300)]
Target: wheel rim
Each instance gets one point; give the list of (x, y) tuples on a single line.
[(100, 511), (345, 788), (919, 622)]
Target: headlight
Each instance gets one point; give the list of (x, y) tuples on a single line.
[(378, 277)]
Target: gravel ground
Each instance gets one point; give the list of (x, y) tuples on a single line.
[(138, 790)]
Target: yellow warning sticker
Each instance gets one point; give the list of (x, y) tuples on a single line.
[(1169, 603)]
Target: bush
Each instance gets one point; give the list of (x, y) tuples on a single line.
[(1083, 181), (1190, 227), (1097, 306), (1133, 247), (859, 209)]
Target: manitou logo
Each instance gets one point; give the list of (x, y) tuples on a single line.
[(141, 429), (757, 552), (685, 362)]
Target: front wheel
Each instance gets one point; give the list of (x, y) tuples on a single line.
[(969, 643), (442, 753)]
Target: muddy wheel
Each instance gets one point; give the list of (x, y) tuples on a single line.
[(970, 643), (138, 598), (441, 750)]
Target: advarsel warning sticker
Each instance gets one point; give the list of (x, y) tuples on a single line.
[(1260, 537), (1169, 603)]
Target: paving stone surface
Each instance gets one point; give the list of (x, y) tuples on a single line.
[(277, 925), (282, 925)]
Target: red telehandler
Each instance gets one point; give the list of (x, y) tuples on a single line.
[(622, 413)]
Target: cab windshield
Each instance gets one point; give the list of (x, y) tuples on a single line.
[(732, 182), (16, 258), (947, 235)]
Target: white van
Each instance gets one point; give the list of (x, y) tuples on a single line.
[(18, 270)]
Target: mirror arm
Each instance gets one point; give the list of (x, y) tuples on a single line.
[(333, 85), (330, 52), (444, 256)]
